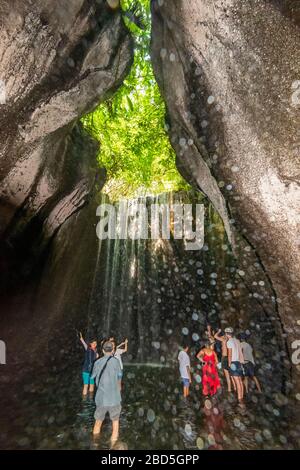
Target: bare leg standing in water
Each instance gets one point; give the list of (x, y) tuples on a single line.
[(107, 373), (249, 366), (255, 380), (115, 430), (90, 356), (239, 388)]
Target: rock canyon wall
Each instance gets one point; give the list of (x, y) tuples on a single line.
[(229, 73), (57, 63)]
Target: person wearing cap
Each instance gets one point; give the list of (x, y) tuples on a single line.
[(210, 377), (235, 361), (107, 374), (90, 356), (249, 366)]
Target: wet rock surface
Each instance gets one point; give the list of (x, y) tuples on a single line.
[(65, 422), (228, 72), (56, 65)]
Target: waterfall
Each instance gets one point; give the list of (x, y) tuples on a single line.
[(158, 294)]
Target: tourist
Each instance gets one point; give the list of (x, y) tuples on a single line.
[(210, 377), (249, 364), (185, 370), (235, 361), (224, 361), (90, 356), (121, 349), (107, 374)]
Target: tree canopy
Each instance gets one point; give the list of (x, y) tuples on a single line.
[(130, 126)]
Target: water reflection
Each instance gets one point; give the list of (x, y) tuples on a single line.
[(154, 416)]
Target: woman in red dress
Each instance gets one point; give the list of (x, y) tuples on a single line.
[(210, 377)]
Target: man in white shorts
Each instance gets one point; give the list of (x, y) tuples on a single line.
[(235, 361), (185, 370)]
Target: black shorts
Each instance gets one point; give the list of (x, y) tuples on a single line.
[(249, 369), (224, 363)]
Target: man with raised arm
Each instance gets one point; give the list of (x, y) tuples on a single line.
[(90, 356)]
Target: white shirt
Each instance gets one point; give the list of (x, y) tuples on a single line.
[(118, 354), (247, 352), (184, 361), (237, 353)]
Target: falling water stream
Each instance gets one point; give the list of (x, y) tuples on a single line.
[(157, 293)]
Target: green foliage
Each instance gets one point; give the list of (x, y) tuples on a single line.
[(130, 126)]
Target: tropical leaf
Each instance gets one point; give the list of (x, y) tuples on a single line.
[(135, 149)]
